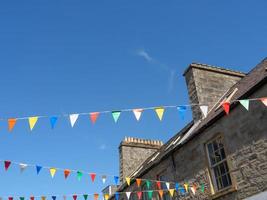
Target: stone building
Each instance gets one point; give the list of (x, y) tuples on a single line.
[(226, 155)]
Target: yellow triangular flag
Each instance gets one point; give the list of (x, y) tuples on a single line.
[(106, 196), (128, 180), (171, 192), (160, 112), (53, 172), (32, 122), (186, 187)]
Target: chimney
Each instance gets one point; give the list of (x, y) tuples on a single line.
[(207, 84), (133, 152)]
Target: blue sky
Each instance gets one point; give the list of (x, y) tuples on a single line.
[(60, 57)]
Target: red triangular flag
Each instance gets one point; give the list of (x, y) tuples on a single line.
[(138, 182), (94, 116), (139, 194), (159, 185), (11, 123), (66, 173), (93, 175), (74, 197), (32, 198), (226, 107), (264, 101), (7, 164), (10, 198)]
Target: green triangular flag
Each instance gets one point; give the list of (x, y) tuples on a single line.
[(245, 103), (116, 115), (150, 194), (202, 187), (21, 198), (147, 184), (85, 196), (79, 175)]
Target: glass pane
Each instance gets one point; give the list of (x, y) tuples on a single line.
[(217, 156), (219, 183), (225, 181), (212, 159), (222, 168), (215, 145), (210, 148), (222, 153), (216, 172), (220, 143)]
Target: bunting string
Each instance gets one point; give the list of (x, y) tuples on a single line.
[(159, 110)]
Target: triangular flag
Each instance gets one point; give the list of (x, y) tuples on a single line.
[(177, 186), (43, 198), (181, 111), (54, 197), (116, 180), (104, 178), (92, 175), (64, 197), (52, 172), (186, 187), (160, 112), (10, 198), (66, 173), (264, 101), (7, 164), (11, 123), (116, 115), (85, 196), (147, 184), (79, 175), (245, 103), (74, 197), (171, 192), (137, 113), (32, 122), (202, 187), (161, 193), (53, 121), (204, 110), (117, 196), (128, 180), (167, 185), (150, 194), (158, 184), (106, 196), (73, 119), (226, 107), (139, 194), (31, 198), (128, 194), (182, 190), (138, 182), (96, 196), (38, 169), (94, 116), (193, 189), (22, 167), (21, 198)]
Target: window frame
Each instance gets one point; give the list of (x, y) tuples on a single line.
[(211, 166)]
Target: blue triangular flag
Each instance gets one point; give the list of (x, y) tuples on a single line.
[(181, 111), (53, 121), (117, 197), (182, 190), (176, 186), (38, 169), (54, 197), (116, 180)]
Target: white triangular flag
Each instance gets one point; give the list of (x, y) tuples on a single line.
[(104, 178), (193, 189), (22, 167), (245, 103), (137, 113), (204, 109), (168, 185), (73, 119), (128, 194)]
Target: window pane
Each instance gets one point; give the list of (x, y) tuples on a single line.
[(215, 145), (222, 168), (225, 181), (216, 171), (210, 148), (222, 153), (217, 156)]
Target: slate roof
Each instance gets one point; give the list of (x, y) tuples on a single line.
[(246, 86)]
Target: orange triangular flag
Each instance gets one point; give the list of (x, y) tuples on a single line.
[(138, 182), (161, 193), (94, 116), (66, 173), (11, 123), (264, 101), (96, 196), (128, 180), (226, 107), (171, 192)]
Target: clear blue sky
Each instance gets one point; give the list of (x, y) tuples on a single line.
[(60, 57)]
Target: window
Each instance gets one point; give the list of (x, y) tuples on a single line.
[(218, 164)]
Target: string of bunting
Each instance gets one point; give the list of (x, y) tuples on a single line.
[(79, 174), (160, 110), (179, 189)]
